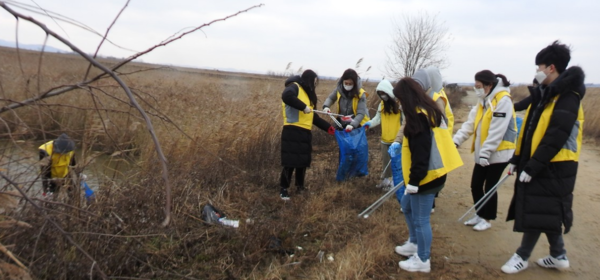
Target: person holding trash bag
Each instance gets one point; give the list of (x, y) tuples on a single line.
[(493, 122), (546, 159), (428, 154), (299, 98), (389, 115), (59, 155), (422, 77), (351, 100)]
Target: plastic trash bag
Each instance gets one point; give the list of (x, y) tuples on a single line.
[(354, 154), (212, 215), (396, 165), (519, 124)]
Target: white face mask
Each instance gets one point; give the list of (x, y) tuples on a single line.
[(348, 88), (480, 92), (384, 97), (540, 76)]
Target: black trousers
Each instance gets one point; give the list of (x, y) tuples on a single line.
[(557, 244), (286, 177), (483, 180)]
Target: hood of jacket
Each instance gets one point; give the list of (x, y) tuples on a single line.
[(386, 87), (498, 88), (421, 77), (340, 85), (63, 144), (570, 80), (294, 79), (436, 79)]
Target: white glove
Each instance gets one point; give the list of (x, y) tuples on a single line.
[(327, 110), (411, 189), (483, 162), (512, 169), (525, 178), (349, 128), (307, 110)]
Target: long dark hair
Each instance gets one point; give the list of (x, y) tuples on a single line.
[(309, 85), (412, 96), (350, 74), (391, 105)]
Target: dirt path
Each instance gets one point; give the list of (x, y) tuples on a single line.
[(483, 253)]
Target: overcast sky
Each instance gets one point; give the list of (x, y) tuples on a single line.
[(326, 35)]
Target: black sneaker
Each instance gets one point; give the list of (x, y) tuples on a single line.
[(300, 189), (284, 194)]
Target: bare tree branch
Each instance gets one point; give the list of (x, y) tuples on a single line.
[(418, 42), (133, 101), (59, 228)]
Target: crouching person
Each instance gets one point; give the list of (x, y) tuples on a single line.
[(59, 155)]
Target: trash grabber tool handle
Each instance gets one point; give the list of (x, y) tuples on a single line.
[(325, 113), (386, 167), (380, 201), (336, 122), (486, 197)]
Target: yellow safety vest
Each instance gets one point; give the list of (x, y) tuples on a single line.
[(570, 150), (59, 163), (444, 156), (293, 116), (509, 139), (354, 104), (447, 109), (390, 125)]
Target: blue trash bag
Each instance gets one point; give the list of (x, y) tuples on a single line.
[(89, 193), (396, 165), (354, 154), (519, 124)]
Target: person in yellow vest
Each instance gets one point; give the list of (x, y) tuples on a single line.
[(493, 122), (546, 159), (59, 155), (389, 115), (350, 100), (299, 98), (423, 78), (438, 94), (428, 155)]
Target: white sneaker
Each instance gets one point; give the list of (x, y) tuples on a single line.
[(415, 264), (432, 210), (482, 225), (551, 262), (514, 265), (473, 221), (407, 250)]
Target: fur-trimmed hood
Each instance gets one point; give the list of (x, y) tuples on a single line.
[(570, 80)]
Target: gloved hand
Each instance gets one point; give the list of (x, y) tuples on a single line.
[(331, 130), (411, 189), (525, 178), (483, 162), (512, 169), (367, 125), (307, 110), (394, 149), (349, 128), (326, 110)]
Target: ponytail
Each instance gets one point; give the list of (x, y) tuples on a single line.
[(505, 81)]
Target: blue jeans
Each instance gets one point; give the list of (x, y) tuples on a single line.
[(417, 210)]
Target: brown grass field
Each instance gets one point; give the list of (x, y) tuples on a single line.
[(221, 135)]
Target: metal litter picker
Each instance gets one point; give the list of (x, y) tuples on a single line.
[(365, 214), (484, 199)]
